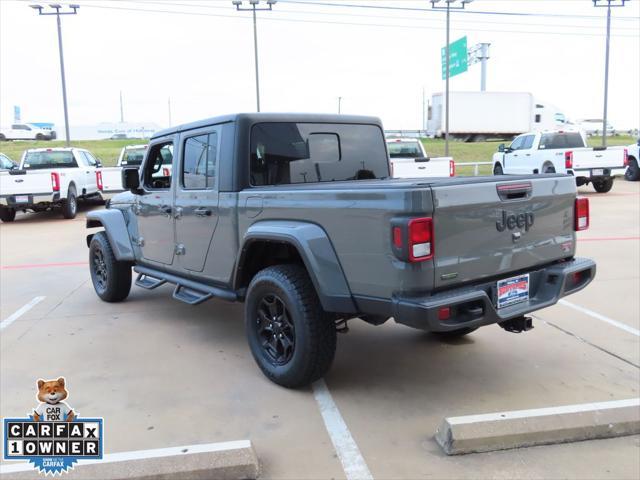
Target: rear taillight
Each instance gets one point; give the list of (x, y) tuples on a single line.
[(568, 159), (452, 168), (55, 181), (626, 157), (99, 179), (420, 239), (412, 239), (165, 172), (581, 214)]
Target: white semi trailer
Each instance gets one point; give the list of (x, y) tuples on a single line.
[(477, 116)]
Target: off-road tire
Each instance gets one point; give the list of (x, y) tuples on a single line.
[(7, 214), (454, 333), (497, 169), (2, 137), (314, 332), (39, 137), (70, 204), (111, 278), (603, 186), (633, 170)]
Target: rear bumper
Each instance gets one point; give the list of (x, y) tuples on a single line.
[(606, 172), (33, 199), (474, 306), (109, 194)]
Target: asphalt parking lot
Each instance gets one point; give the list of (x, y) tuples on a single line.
[(162, 373)]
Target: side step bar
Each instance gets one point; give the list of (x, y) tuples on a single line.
[(187, 291)]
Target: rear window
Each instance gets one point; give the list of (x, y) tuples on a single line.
[(39, 160), (290, 153), (133, 156), (404, 149), (561, 140)]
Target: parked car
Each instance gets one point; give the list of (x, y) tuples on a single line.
[(110, 178), (118, 136), (49, 178), (409, 159), (593, 126), (561, 152), (633, 170), (296, 216), (6, 163), (27, 131)]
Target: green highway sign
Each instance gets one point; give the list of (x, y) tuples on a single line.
[(457, 58)]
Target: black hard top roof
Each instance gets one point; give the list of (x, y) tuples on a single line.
[(271, 117)]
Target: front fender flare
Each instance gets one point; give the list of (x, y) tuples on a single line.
[(112, 221), (317, 253)]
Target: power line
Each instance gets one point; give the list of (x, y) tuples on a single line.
[(362, 24), (358, 15), (469, 12)]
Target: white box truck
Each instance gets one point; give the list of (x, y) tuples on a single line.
[(478, 116)]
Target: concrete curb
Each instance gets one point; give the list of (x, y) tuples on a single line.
[(543, 426), (226, 461)]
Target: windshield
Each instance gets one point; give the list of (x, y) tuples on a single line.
[(49, 159), (404, 149), (286, 153), (133, 156), (561, 140)]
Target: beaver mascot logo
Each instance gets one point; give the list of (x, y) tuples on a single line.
[(52, 407)]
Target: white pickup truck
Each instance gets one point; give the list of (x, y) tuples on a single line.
[(49, 178), (409, 159), (561, 152), (27, 131), (633, 170), (110, 178)]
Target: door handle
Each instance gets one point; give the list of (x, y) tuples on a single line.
[(202, 212), (166, 209)]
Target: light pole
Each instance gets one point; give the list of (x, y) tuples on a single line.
[(607, 4), (57, 13), (448, 7), (254, 8)]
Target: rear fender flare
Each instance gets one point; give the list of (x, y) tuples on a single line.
[(317, 253), (116, 229)]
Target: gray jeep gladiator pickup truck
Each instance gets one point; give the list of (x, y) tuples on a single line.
[(296, 215)]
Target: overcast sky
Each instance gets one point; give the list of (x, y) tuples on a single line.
[(378, 60)]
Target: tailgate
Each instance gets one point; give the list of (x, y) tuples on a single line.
[(493, 228), (26, 182), (410, 168), (589, 158), (111, 178)]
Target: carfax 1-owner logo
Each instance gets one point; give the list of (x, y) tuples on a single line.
[(53, 437)]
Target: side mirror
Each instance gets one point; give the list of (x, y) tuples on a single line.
[(131, 179), (501, 148)]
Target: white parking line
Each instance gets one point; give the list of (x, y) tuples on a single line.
[(144, 454), (608, 320), (12, 318), (353, 464)]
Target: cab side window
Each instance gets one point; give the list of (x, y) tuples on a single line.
[(199, 162), (157, 169), (527, 142), (517, 143)]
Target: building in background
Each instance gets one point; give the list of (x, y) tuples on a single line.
[(117, 130)]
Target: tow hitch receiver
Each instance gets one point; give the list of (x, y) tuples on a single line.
[(517, 325)]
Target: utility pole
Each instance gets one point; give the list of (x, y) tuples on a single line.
[(121, 109), (254, 8), (424, 125), (607, 4), (339, 104), (57, 13), (448, 8)]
